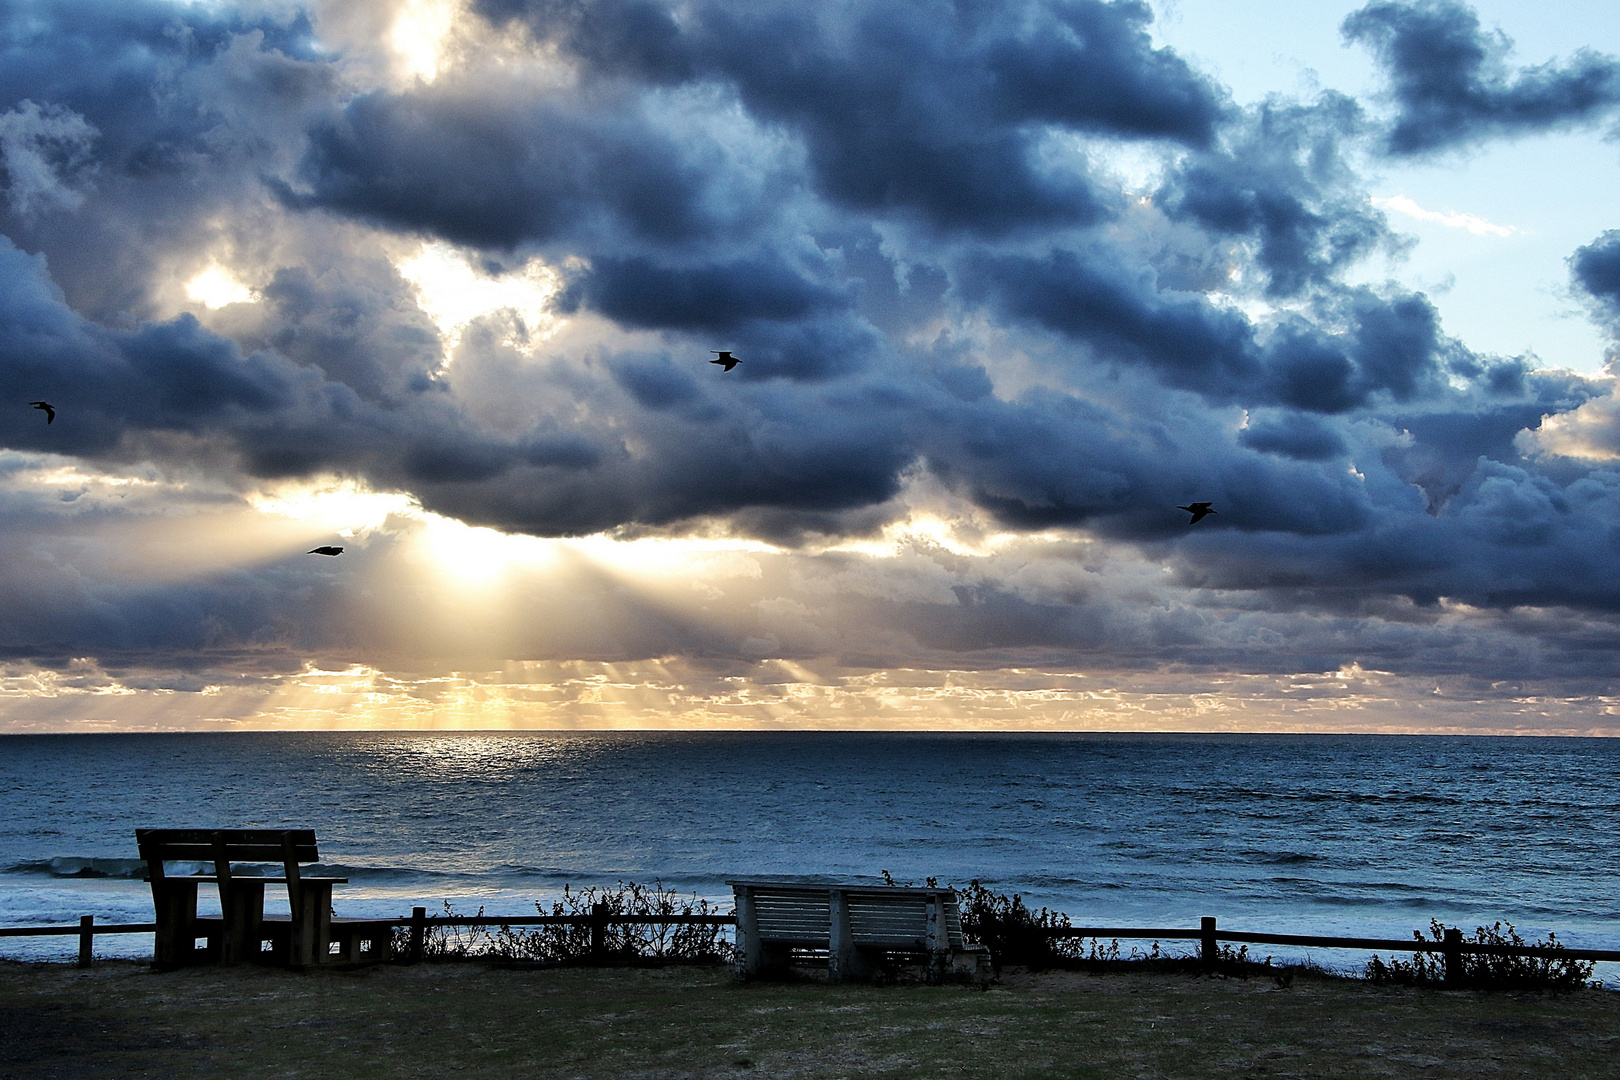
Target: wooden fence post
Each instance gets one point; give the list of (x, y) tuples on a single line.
[(1208, 948), (418, 933), (1453, 956), (87, 938), (599, 912)]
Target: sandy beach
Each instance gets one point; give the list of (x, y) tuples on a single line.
[(469, 1019)]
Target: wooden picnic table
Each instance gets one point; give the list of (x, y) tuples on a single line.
[(243, 933)]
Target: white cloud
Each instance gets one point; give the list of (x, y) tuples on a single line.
[(453, 293), (1476, 225)]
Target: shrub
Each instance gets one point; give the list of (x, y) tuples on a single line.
[(565, 942), (1016, 935), (1482, 971)]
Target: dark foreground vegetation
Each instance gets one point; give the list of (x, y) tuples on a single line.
[(565, 943), (1485, 972), (483, 1019), (1015, 935)]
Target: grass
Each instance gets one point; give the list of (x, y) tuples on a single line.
[(119, 1019)]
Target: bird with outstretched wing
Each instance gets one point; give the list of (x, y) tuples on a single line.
[(726, 360), (47, 409), (1199, 511)]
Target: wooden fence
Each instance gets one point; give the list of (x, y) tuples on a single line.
[(1209, 937), (87, 931), (1452, 947), (598, 920)]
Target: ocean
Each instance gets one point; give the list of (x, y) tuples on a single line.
[(1363, 835)]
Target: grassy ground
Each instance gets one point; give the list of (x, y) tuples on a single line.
[(466, 1020)]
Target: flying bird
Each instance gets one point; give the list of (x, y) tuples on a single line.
[(1199, 511), (47, 409), (324, 551), (726, 360)]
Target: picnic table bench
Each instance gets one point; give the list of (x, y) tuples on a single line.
[(243, 933), (861, 928)]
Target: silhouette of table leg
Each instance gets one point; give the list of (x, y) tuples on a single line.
[(311, 936)]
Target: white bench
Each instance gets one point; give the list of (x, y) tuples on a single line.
[(860, 928)]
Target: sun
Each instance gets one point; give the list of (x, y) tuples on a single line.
[(215, 287), (420, 33), (475, 555)]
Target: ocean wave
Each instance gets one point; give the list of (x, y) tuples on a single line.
[(376, 875), (77, 867)]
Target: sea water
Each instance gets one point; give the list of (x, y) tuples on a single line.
[(1341, 835)]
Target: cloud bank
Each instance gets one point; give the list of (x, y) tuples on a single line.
[(983, 359)]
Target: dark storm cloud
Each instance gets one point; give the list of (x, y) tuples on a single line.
[(104, 57), (274, 417), (1597, 270), (1305, 438), (1280, 177), (1452, 86), (188, 106), (1047, 461), (934, 109), (896, 216), (498, 173), (173, 375), (1363, 346), (1086, 64), (638, 292)]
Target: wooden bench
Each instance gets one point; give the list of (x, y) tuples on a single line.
[(243, 933), (860, 928)]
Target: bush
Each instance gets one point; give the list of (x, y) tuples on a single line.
[(1012, 933), (1016, 935), (564, 942), (1480, 971)]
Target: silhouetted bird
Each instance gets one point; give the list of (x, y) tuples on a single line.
[(726, 360), (45, 406), (1199, 512), (324, 551)]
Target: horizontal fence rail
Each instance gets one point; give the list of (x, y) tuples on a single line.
[(599, 919), (87, 931), (563, 920), (1320, 942), (69, 929)]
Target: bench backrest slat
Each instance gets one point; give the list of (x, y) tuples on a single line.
[(878, 915), (785, 914), (241, 845), (879, 920)]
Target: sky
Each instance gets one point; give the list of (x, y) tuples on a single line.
[(437, 281)]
